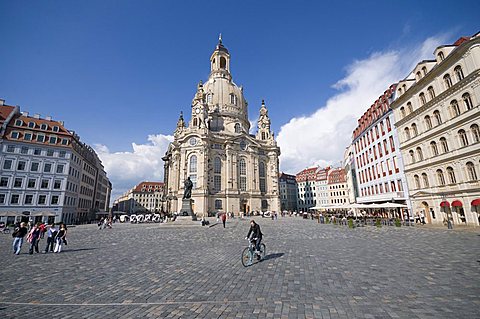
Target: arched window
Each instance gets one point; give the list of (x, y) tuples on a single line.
[(242, 170), (412, 156), (440, 56), (447, 80), (440, 177), (463, 137), (417, 181), (410, 108), (419, 75), (424, 70), (428, 122), (209, 98), (444, 143), (217, 174), (399, 91), (475, 133), (423, 100), (192, 169), (468, 101), (419, 154), (237, 128), (434, 147), (425, 180), (261, 173), (223, 63), (431, 92), (455, 108), (451, 175), (233, 99), (407, 133), (438, 117), (472, 174), (195, 122), (459, 73), (402, 111), (414, 129)]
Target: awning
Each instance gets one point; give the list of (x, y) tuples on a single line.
[(444, 204), (457, 203), (476, 202)]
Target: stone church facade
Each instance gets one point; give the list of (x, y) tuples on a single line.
[(231, 169)]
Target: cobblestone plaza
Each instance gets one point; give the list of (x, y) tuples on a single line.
[(311, 271)]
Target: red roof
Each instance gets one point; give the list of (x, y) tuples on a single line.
[(461, 40), (149, 187)]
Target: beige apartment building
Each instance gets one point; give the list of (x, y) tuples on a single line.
[(437, 116)]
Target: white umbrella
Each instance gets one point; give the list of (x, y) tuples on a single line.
[(10, 214), (47, 214)]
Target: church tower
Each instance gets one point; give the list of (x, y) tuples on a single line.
[(231, 170)]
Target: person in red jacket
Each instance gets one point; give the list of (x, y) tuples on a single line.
[(224, 219)]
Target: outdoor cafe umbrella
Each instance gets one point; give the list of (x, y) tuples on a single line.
[(47, 214), (10, 214)]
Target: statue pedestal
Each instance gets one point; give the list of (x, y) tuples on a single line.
[(187, 209)]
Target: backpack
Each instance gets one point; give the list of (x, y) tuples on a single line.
[(15, 232)]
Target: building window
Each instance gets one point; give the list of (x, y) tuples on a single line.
[(3, 181), (437, 116), (417, 181), (218, 204), (2, 198), (37, 151), (410, 107), (402, 111), (49, 152), (31, 183), (40, 138), (243, 174), (17, 183), (419, 154), (52, 140), (434, 147), (424, 70), (475, 133), (463, 137), (195, 122), (444, 143), (55, 128), (57, 184), (451, 175), (237, 128), (472, 174), (60, 168), (18, 123), (47, 168), (407, 133), (459, 73), (193, 170), (414, 129), (44, 127), (217, 171), (14, 135), (34, 166), (440, 55), (62, 154), (28, 199), (10, 149), (54, 200), (448, 81), (261, 170), (467, 101), (428, 122), (455, 108), (412, 156), (233, 99), (24, 150), (27, 136), (44, 183), (431, 92), (425, 180), (64, 141), (209, 98), (440, 177), (42, 199), (15, 199), (7, 164), (423, 100)]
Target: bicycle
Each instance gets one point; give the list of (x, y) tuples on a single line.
[(249, 253)]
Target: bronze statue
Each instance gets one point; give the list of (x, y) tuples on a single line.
[(188, 188)]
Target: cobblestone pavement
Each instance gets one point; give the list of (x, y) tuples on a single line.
[(311, 271)]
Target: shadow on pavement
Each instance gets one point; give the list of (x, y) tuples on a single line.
[(273, 256), (79, 249)]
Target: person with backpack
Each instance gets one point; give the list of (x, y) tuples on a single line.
[(18, 235)]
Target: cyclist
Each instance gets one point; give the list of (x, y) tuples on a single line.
[(256, 236)]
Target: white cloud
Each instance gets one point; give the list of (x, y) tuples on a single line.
[(144, 162), (321, 138)]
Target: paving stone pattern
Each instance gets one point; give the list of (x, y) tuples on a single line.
[(311, 271)]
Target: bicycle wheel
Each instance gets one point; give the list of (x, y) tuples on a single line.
[(263, 250), (246, 257)]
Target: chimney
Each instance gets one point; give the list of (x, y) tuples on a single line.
[(2, 102), (25, 114), (48, 118), (36, 116), (61, 123)]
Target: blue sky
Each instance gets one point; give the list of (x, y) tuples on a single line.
[(118, 72)]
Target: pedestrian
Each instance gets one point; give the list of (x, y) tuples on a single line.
[(60, 238), (33, 238), (43, 229), (51, 234), (18, 235), (224, 219), (422, 217)]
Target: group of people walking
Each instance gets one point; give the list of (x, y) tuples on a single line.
[(56, 237)]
